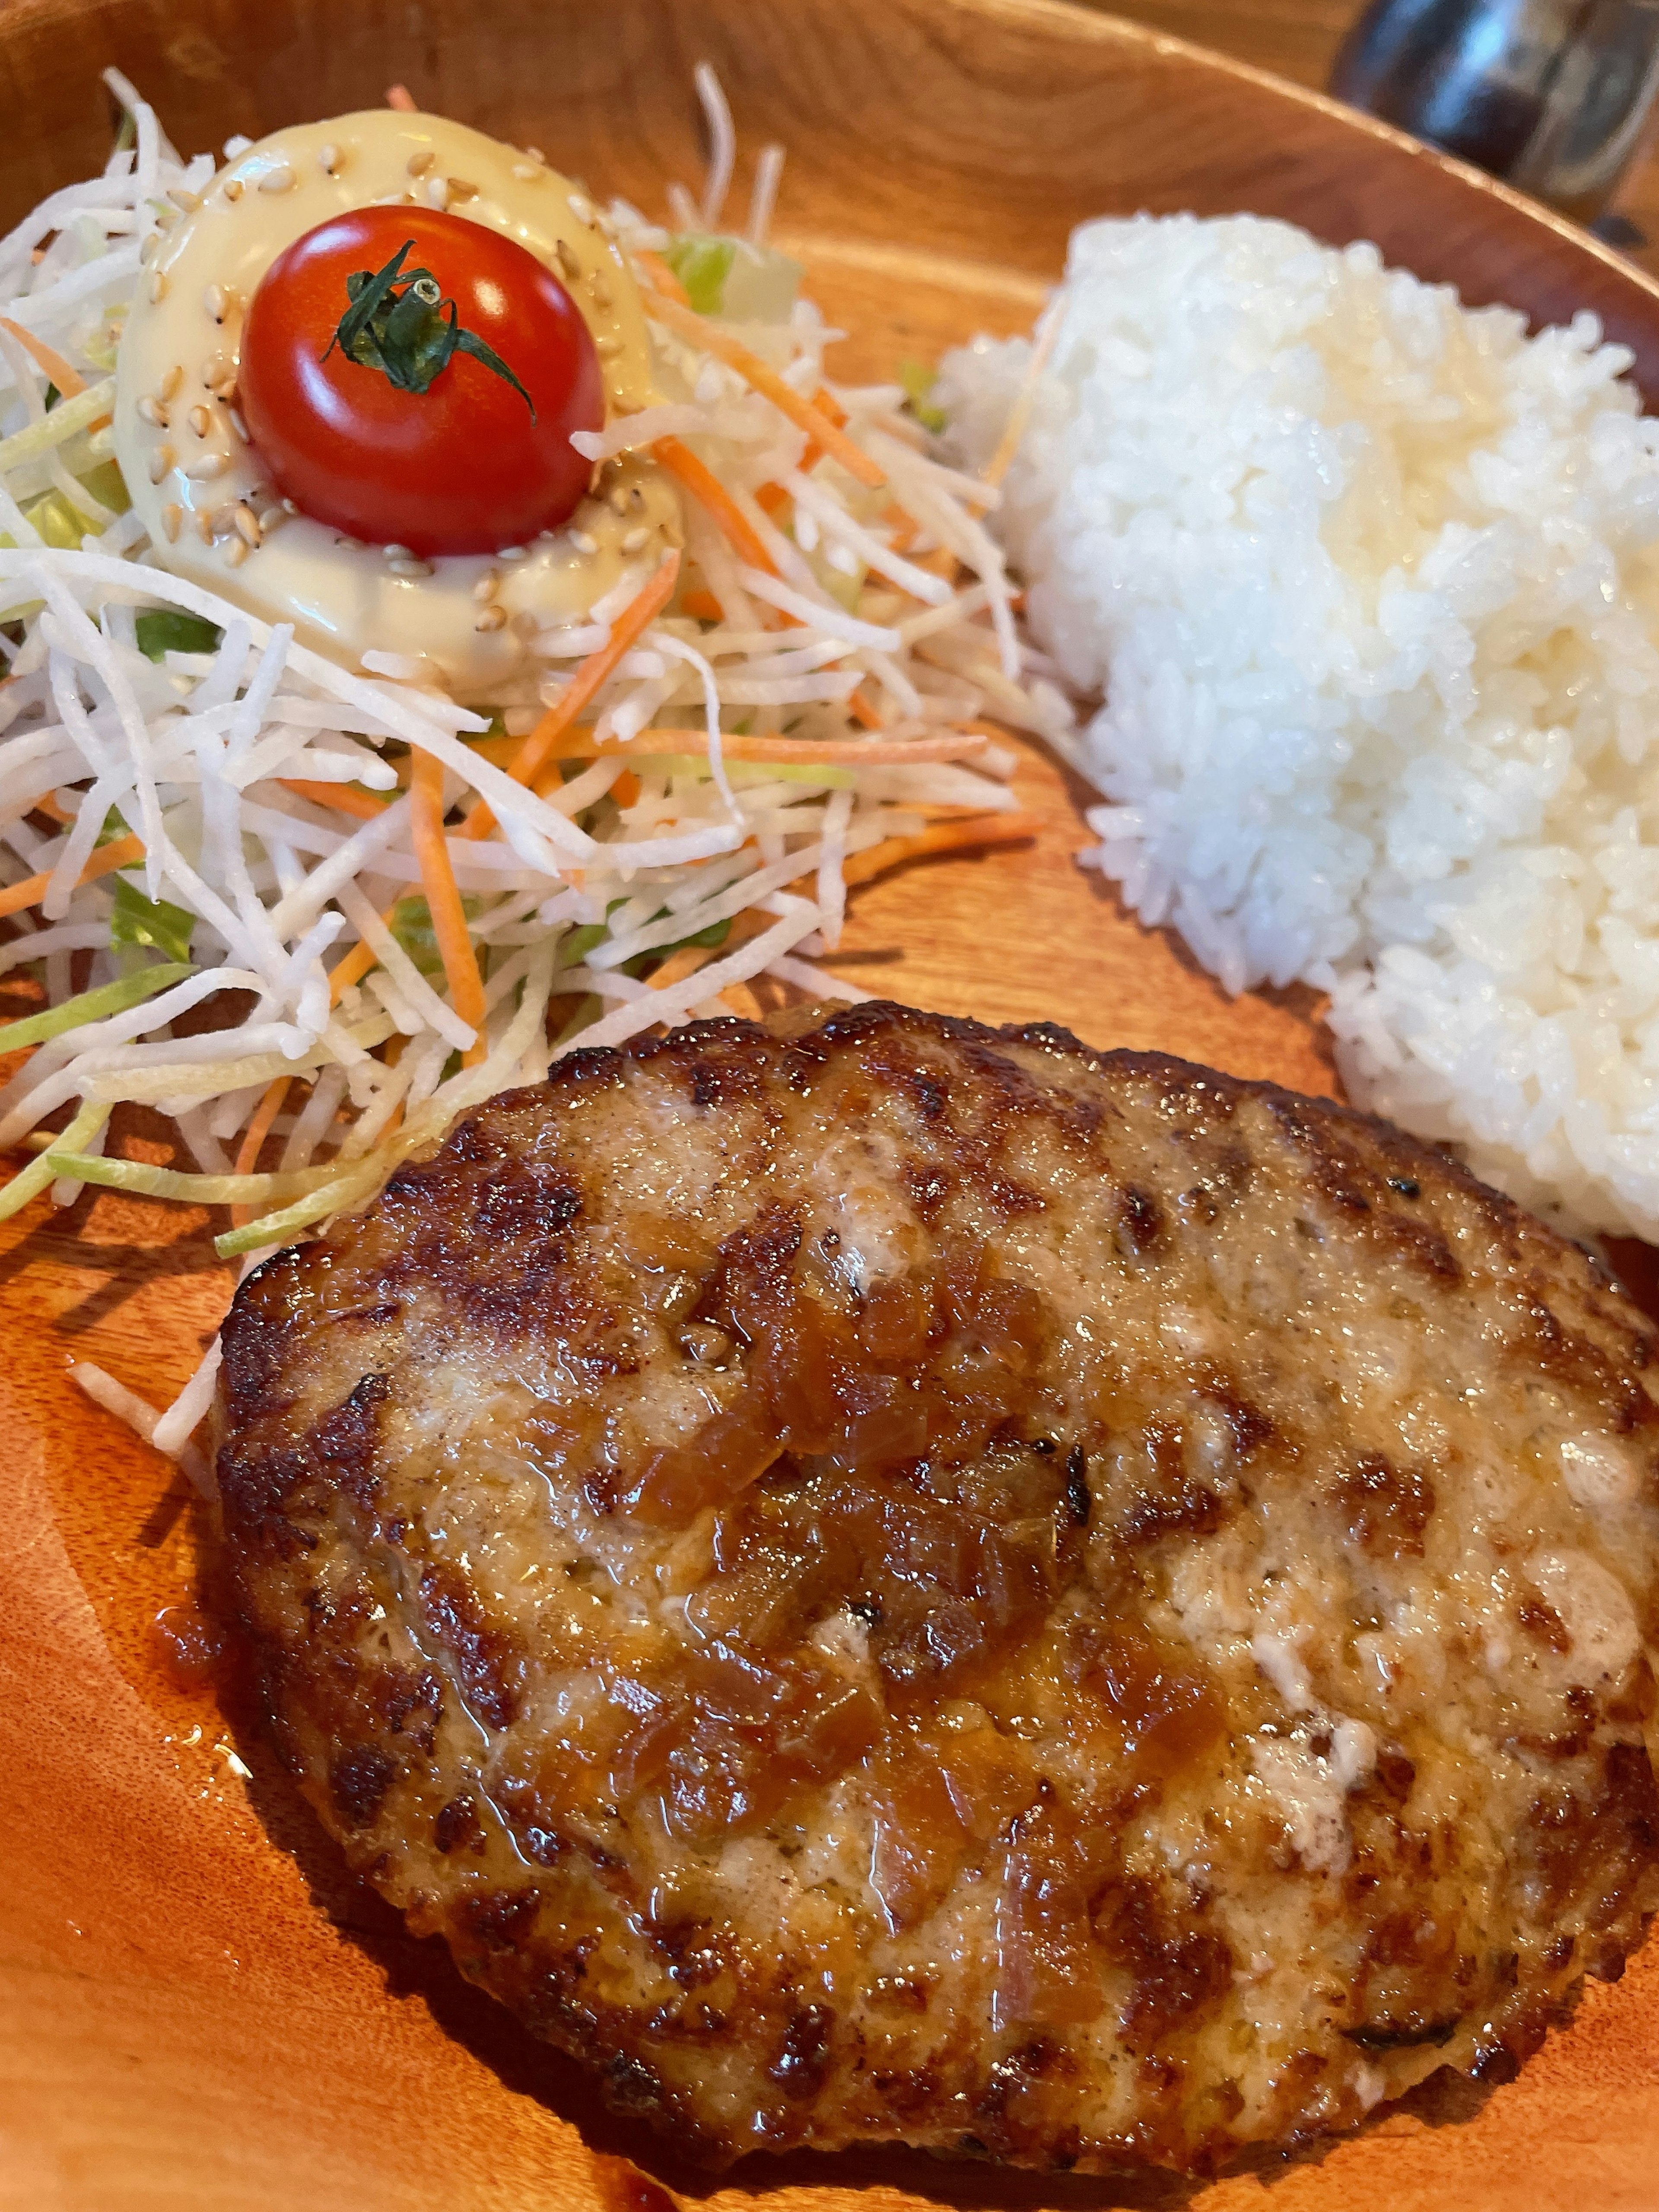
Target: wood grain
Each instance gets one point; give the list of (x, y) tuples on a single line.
[(197, 2009)]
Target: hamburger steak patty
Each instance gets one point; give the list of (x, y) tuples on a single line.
[(921, 1581)]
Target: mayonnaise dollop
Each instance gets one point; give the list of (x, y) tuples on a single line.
[(212, 513)]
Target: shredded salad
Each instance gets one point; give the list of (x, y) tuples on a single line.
[(311, 913)]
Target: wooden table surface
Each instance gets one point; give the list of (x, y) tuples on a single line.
[(1298, 39)]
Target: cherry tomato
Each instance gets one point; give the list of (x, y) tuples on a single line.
[(463, 466)]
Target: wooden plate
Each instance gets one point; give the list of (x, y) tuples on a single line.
[(197, 2010)]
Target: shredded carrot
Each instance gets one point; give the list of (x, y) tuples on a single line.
[(247, 1156), (662, 278), (356, 964), (400, 97), (1019, 414), (443, 899), (703, 605), (121, 854), (581, 745), (253, 1137), (706, 487), (499, 752), (943, 837), (805, 414), (828, 406), (537, 750), (865, 713), (940, 562), (626, 789), (345, 798), (772, 499), (690, 957), (69, 382)]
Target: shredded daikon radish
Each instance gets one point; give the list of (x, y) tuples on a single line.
[(171, 840)]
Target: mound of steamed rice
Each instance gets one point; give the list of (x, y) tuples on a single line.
[(1368, 587)]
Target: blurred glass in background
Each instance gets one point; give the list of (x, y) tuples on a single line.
[(1549, 94)]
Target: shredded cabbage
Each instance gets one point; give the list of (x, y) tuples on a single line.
[(257, 891)]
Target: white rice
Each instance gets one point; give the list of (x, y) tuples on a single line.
[(1368, 585)]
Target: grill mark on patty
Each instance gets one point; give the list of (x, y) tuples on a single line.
[(345, 1440), (485, 1656), (358, 1780), (1386, 1508)]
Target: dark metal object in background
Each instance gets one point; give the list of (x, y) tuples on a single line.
[(1551, 95)]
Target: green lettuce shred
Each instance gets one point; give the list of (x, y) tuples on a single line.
[(162, 630), (702, 265), (412, 925), (93, 1005), (34, 1178), (154, 923), (918, 380)]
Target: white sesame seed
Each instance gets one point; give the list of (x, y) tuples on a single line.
[(513, 553), (581, 209), (236, 552), (437, 191), (272, 518), (617, 499), (347, 544), (536, 155), (221, 519), (636, 540), (187, 202), (150, 247), (328, 159), (151, 411), (527, 172), (598, 292), (395, 552), (158, 286), (247, 523), (234, 188), (459, 189), (170, 383), (160, 461), (606, 347), (583, 543), (200, 421), (172, 515), (165, 217), (491, 618), (488, 585), (237, 423), (567, 262), (289, 507), (409, 567), (206, 466), (278, 179), (214, 370), (418, 164), (203, 527), (216, 300)]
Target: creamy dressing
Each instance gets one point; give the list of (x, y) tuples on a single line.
[(183, 452)]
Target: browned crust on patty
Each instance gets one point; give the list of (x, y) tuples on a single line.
[(913, 1580)]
